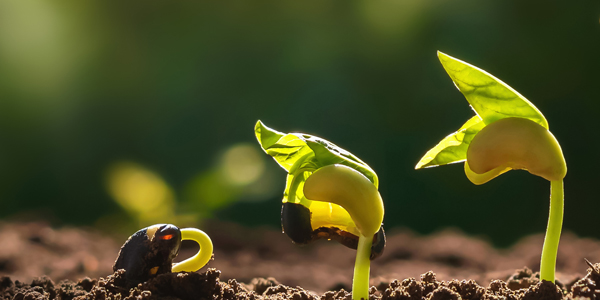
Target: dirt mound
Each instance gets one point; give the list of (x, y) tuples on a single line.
[(522, 285), (253, 261)]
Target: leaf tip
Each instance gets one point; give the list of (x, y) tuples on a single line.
[(258, 132), (442, 56), (419, 165), (258, 124), (266, 136), (257, 128)]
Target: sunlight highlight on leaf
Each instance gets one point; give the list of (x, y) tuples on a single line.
[(295, 151), (453, 148), (491, 98)]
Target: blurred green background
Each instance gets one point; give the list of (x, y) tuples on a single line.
[(120, 114)]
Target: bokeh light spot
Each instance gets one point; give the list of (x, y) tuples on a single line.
[(242, 164), (141, 192)]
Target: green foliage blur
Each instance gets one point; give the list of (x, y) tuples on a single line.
[(104, 104)]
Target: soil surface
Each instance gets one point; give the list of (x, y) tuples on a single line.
[(263, 264)]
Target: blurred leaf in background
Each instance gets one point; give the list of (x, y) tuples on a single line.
[(142, 193), (239, 175)]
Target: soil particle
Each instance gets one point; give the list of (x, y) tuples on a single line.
[(430, 283), (409, 289), (87, 284), (188, 285), (5, 283), (339, 295), (588, 286), (260, 285), (468, 290), (545, 290), (522, 279), (444, 293)]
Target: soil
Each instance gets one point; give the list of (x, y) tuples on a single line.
[(263, 264)]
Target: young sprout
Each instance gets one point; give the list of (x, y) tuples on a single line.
[(151, 250), (507, 133), (330, 194)]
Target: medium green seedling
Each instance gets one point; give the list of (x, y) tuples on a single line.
[(507, 133), (330, 194)]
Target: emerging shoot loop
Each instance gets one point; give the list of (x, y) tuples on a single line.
[(201, 258), (151, 250)]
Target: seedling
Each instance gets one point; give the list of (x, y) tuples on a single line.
[(150, 251), (507, 133), (330, 194)]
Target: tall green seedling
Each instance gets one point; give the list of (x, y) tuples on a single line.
[(329, 194), (507, 133)]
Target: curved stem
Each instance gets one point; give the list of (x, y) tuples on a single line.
[(360, 282), (550, 249), (201, 258)]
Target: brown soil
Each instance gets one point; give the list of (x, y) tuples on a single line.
[(324, 269)]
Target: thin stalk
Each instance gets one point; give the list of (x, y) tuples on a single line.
[(360, 282), (555, 220)]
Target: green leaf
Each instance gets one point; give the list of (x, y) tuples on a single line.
[(327, 153), (491, 98), (453, 148), (265, 135), (302, 154)]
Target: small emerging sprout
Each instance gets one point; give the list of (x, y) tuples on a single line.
[(151, 250), (508, 133), (330, 194)]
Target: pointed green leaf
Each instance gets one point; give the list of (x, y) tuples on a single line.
[(326, 153), (266, 136), (453, 148), (301, 154), (491, 98), (286, 149)]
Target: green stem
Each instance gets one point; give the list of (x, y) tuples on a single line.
[(550, 249), (360, 282)]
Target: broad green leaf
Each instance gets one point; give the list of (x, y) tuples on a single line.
[(453, 148), (290, 151), (301, 154), (491, 98), (286, 149), (326, 153)]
